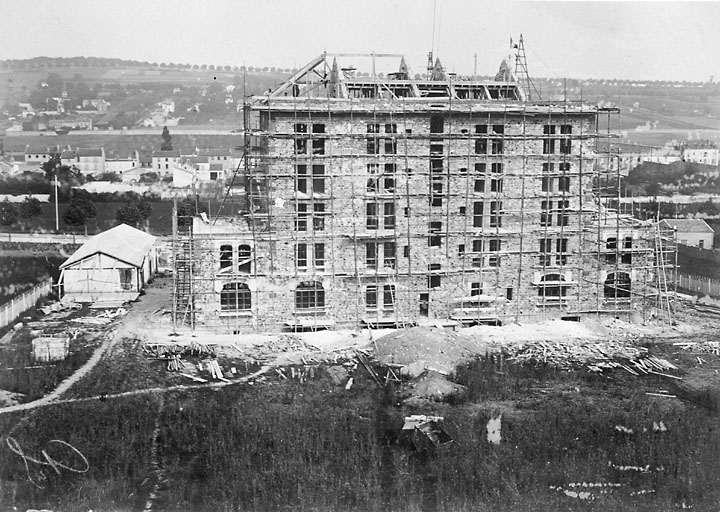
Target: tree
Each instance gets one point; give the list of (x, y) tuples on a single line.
[(81, 209), (133, 214), (30, 207), (50, 165), (8, 213), (167, 140)]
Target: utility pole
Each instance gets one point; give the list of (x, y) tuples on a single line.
[(57, 215), (475, 68)]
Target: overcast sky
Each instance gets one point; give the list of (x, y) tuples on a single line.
[(639, 40)]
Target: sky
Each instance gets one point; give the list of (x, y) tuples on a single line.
[(641, 40)]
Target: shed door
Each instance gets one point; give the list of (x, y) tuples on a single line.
[(126, 278)]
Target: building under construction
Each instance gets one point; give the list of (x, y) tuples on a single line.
[(393, 200)]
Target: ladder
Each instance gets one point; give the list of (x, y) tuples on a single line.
[(663, 302)]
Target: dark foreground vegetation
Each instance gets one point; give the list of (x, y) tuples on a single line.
[(570, 441)]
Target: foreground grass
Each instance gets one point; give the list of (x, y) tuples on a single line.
[(21, 373), (288, 446)]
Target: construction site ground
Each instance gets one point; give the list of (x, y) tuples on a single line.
[(581, 394)]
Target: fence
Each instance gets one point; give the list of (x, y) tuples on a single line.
[(699, 284), (14, 308), (43, 238)]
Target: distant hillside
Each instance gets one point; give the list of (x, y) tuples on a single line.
[(18, 77)]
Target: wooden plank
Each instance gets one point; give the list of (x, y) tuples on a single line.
[(665, 375)]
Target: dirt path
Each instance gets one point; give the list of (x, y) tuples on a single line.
[(178, 387), (132, 324)]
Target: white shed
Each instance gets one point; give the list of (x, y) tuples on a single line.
[(114, 265)]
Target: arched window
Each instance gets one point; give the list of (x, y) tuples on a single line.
[(235, 297), (617, 285), (551, 286), (309, 295)]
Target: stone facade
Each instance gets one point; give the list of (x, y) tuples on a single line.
[(388, 213)]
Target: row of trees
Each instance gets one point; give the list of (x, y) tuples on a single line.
[(61, 62), (80, 210), (11, 212)]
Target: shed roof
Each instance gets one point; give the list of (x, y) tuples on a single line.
[(688, 225), (122, 242)]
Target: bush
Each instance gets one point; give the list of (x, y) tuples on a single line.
[(112, 177), (149, 177)]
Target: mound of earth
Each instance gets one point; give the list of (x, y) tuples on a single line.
[(432, 385), (433, 348), (8, 398)]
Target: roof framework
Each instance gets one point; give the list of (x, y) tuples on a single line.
[(325, 78)]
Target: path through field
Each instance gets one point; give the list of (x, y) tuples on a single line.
[(129, 325), (134, 324)]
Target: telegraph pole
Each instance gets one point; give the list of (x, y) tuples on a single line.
[(57, 216)]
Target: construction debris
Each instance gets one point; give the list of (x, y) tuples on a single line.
[(596, 356), (425, 427), (168, 349), (215, 371), (60, 306), (92, 320), (703, 347), (51, 348), (567, 355), (196, 379)]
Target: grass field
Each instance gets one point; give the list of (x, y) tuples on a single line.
[(282, 445), (20, 373)]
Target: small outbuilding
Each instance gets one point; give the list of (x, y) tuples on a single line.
[(692, 232), (112, 266)]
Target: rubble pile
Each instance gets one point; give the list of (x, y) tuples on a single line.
[(282, 344)]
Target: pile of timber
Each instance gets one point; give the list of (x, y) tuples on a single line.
[(567, 355), (641, 366), (216, 372), (92, 320), (175, 363), (704, 347), (596, 356), (162, 350)]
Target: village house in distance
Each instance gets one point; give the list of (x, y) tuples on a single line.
[(393, 201)]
